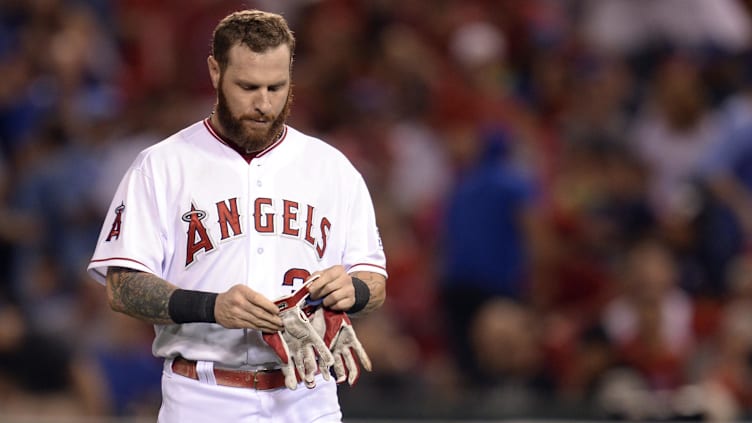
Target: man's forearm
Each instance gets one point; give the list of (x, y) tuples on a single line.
[(377, 285), (139, 294)]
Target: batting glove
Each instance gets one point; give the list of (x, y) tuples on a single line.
[(340, 337), (299, 343)]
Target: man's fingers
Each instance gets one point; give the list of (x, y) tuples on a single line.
[(246, 320), (263, 320), (267, 319), (264, 313), (329, 280), (337, 295), (264, 326), (241, 307), (319, 288), (258, 300), (338, 302)]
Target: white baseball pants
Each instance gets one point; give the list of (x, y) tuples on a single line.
[(186, 400)]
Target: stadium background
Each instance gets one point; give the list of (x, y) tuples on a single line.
[(562, 187)]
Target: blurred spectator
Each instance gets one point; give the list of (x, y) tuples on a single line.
[(727, 171), (507, 347), (671, 134), (725, 176), (605, 89), (58, 195), (489, 224), (598, 207), (650, 320)]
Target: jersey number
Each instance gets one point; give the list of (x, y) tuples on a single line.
[(295, 275)]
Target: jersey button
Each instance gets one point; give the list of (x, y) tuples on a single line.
[(258, 183), (260, 250)]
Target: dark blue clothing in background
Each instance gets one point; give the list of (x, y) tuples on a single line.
[(484, 247)]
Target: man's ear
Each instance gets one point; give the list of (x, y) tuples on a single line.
[(213, 71)]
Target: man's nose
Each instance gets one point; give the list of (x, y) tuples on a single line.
[(262, 101)]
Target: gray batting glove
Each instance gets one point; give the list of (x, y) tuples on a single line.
[(300, 343), (339, 336)]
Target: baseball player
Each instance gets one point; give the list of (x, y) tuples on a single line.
[(210, 226)]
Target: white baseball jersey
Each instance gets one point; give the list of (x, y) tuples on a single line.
[(194, 212)]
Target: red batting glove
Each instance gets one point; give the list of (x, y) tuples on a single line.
[(298, 344), (345, 346)]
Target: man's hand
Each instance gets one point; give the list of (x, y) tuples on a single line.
[(335, 286), (240, 307)]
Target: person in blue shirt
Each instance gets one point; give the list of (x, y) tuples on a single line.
[(485, 244)]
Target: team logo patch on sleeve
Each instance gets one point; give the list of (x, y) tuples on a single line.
[(115, 230)]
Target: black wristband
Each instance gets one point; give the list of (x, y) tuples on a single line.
[(362, 295), (186, 306)]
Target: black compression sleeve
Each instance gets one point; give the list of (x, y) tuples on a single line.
[(186, 306), (362, 295)]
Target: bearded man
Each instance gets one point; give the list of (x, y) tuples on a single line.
[(213, 224)]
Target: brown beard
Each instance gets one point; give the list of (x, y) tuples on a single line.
[(233, 126)]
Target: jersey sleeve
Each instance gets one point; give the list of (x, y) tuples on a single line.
[(132, 234), (364, 250)]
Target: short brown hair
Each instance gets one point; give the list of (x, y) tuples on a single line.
[(258, 30)]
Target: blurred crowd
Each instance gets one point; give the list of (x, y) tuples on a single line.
[(563, 189)]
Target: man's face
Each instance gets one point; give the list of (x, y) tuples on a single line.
[(253, 94)]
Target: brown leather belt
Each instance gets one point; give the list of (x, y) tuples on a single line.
[(262, 380)]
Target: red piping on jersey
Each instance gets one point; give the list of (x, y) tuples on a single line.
[(119, 258), (368, 264), (247, 156)]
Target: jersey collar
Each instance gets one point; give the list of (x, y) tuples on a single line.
[(247, 156)]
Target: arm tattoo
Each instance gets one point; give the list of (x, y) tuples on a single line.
[(377, 285), (139, 294)]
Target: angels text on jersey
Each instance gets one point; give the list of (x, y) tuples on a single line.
[(282, 217)]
